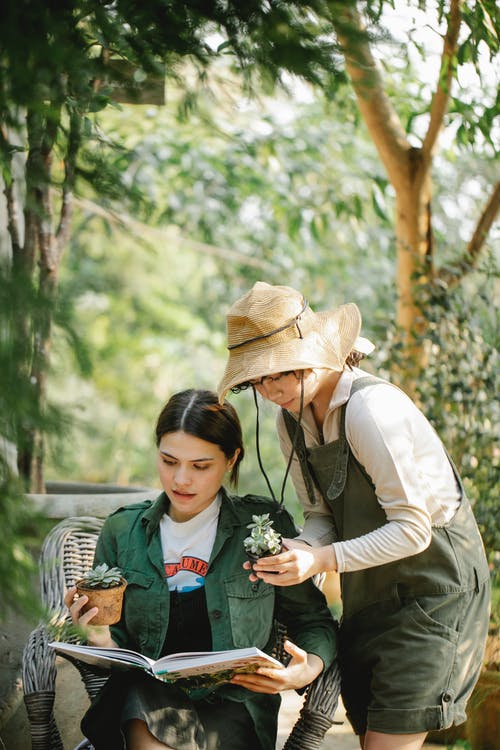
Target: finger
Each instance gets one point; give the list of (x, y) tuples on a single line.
[(79, 617), (79, 603), (269, 563), (87, 617), (276, 674), (295, 544), (295, 651), (283, 579), (69, 596), (255, 682)]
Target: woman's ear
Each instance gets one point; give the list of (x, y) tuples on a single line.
[(231, 462)]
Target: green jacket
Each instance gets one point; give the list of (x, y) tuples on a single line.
[(241, 613)]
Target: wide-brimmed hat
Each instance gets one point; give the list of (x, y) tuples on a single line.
[(272, 329)]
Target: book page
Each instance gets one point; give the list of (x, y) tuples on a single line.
[(103, 657), (187, 665)]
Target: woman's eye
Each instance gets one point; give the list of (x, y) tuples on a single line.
[(201, 467), (167, 462)]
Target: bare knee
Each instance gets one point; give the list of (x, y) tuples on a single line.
[(382, 741), (138, 737)]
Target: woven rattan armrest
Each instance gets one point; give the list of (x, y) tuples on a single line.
[(320, 702), (67, 552)]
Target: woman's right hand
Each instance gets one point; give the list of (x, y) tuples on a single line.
[(96, 635), (296, 563)]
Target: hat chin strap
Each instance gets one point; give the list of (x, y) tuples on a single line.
[(294, 443), (257, 444), (295, 438)]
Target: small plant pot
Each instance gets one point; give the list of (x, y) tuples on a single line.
[(108, 601), (252, 559)]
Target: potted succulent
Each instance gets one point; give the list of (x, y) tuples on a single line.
[(263, 540), (104, 587)]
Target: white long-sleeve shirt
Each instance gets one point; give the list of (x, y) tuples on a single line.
[(406, 460)]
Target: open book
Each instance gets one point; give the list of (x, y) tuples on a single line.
[(195, 669)]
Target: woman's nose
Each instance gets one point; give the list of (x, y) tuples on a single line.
[(182, 476), (272, 389)]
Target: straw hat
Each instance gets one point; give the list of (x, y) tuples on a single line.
[(272, 329)]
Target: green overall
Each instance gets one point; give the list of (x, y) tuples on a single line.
[(453, 569)]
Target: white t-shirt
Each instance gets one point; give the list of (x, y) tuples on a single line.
[(187, 547), (406, 460)]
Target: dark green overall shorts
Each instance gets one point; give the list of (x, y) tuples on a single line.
[(413, 631)]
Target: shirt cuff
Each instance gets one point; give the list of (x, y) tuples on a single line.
[(337, 548)]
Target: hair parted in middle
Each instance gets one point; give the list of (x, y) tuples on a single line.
[(199, 413)]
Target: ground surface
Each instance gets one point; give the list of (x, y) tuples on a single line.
[(71, 702)]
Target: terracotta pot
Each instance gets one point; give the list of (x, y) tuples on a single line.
[(108, 601)]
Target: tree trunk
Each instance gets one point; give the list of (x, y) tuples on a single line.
[(413, 242), (408, 168)]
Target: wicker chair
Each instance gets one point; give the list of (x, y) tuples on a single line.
[(67, 553)]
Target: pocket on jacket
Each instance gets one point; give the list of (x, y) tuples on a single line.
[(251, 611), (137, 604)]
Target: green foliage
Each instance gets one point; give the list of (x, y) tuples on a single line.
[(78, 60), (19, 526), (495, 603), (228, 190), (456, 389), (102, 577), (263, 539)]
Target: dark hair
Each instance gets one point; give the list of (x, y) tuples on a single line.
[(199, 413), (354, 358)]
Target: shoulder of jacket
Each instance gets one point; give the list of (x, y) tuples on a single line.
[(135, 508), (247, 506), (248, 501)]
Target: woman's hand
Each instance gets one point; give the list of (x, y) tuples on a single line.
[(302, 669), (296, 564), (96, 635)]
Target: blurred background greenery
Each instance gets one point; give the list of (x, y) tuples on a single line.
[(237, 151)]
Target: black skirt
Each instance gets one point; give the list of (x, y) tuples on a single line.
[(212, 723)]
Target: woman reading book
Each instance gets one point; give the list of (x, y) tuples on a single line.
[(182, 556)]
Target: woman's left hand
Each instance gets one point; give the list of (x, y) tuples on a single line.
[(296, 564), (302, 669)]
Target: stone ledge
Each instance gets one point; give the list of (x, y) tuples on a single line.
[(88, 500)]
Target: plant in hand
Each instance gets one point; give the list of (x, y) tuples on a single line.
[(102, 577), (263, 540), (104, 587)]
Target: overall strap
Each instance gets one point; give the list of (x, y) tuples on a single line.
[(292, 426), (358, 385)]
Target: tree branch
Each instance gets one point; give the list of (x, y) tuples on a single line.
[(376, 108), (441, 97), (173, 236), (451, 276)]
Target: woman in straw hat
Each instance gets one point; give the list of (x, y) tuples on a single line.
[(383, 505)]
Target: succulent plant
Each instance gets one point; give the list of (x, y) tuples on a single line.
[(102, 577), (263, 539)]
